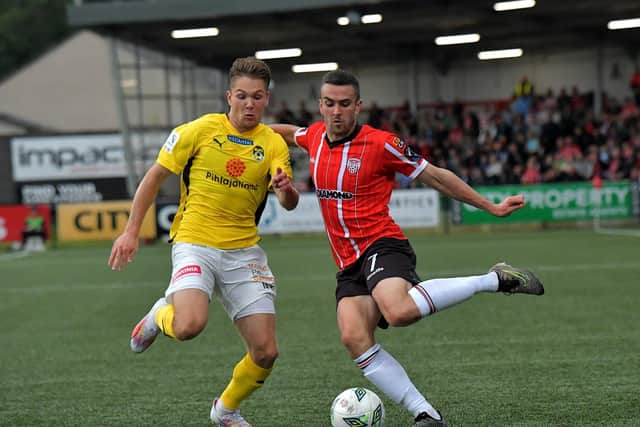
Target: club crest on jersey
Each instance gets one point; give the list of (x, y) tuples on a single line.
[(353, 165), (258, 153)]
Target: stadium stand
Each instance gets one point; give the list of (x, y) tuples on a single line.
[(559, 139)]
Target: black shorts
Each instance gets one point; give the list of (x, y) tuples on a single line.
[(383, 259)]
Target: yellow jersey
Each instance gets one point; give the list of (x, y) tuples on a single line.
[(224, 178)]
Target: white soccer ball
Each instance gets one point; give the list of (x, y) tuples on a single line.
[(358, 407)]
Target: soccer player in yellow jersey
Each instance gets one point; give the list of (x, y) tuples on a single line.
[(226, 163)]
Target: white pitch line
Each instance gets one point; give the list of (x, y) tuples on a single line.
[(67, 287), (329, 278), (14, 255), (618, 232)]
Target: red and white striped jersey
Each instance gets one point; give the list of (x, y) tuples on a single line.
[(354, 178)]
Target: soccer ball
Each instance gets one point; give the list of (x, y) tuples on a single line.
[(357, 407)]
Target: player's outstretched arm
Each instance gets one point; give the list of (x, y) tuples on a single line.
[(285, 190), (446, 182), (286, 132), (126, 245)]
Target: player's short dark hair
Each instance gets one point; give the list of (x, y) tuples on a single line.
[(250, 67), (342, 78)]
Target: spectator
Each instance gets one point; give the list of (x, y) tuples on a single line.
[(550, 102), (513, 175), (375, 115), (616, 167), (635, 166), (533, 143), (549, 172), (471, 124), (521, 105), (564, 100), (33, 233), (285, 115), (577, 100), (629, 110), (568, 150), (304, 115), (494, 170), (532, 173), (523, 88), (593, 158), (564, 169)]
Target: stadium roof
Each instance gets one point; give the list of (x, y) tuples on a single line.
[(408, 28)]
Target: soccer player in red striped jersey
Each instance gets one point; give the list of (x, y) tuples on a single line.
[(353, 168)]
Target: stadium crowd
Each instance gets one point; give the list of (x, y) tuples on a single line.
[(528, 139)]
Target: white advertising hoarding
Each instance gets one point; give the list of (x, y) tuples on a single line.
[(419, 208), (66, 157)]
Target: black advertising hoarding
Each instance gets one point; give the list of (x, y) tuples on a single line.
[(164, 217), (72, 191)]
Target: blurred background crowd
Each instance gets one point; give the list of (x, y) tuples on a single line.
[(529, 139)]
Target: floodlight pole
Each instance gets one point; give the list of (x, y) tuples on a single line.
[(412, 87), (121, 108), (597, 96)]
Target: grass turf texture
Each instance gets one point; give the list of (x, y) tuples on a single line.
[(569, 358)]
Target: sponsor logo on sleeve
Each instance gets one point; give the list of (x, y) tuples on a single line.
[(412, 155), (171, 142), (398, 142)]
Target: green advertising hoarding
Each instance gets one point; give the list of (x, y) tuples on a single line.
[(554, 202)]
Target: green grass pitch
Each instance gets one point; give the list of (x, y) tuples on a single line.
[(568, 358)]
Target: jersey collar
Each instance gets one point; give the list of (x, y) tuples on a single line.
[(343, 140)]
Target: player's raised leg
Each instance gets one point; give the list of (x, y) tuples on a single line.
[(182, 319), (401, 308)]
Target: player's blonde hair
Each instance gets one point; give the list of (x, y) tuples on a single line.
[(250, 67)]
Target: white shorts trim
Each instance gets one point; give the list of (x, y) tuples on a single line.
[(240, 279)]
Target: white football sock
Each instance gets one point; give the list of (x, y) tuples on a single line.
[(389, 376), (437, 294)]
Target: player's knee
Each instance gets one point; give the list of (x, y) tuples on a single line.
[(400, 316), (188, 328), (354, 340), (265, 356)]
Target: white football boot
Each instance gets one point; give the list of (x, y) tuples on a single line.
[(226, 418), (146, 330)]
